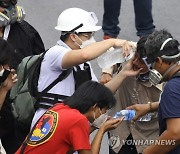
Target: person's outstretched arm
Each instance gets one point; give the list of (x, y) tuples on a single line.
[(96, 143), (126, 71), (108, 125), (142, 109), (90, 52)]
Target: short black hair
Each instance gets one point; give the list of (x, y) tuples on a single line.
[(6, 52), (140, 47), (89, 94), (64, 36), (155, 41)]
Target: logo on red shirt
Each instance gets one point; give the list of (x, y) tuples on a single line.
[(44, 129)]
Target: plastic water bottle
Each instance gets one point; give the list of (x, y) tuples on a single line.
[(130, 114), (146, 117), (112, 57), (127, 114)]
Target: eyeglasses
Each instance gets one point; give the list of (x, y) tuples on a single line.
[(88, 35)]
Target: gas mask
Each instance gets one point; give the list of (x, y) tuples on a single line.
[(86, 43), (4, 73), (11, 15), (98, 122), (156, 78)]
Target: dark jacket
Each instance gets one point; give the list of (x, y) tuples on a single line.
[(26, 41)]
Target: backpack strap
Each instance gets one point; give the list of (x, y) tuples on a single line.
[(87, 67), (24, 144), (54, 96), (61, 77), (26, 70)]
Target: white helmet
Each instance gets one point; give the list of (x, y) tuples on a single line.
[(73, 17)]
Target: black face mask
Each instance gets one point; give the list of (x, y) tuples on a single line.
[(82, 76), (3, 75)]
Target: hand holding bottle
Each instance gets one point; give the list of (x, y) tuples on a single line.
[(121, 51), (130, 114), (141, 110), (126, 46), (127, 114)]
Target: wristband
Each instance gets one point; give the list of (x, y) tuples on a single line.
[(150, 107)]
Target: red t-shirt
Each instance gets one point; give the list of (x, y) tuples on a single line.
[(60, 129)]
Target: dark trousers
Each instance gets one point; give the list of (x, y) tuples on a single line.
[(126, 149), (143, 17), (11, 133)]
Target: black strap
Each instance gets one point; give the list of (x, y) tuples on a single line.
[(74, 29), (61, 77), (44, 106), (53, 96), (26, 71), (87, 67), (28, 137)]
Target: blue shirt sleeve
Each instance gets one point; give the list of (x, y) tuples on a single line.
[(170, 101)]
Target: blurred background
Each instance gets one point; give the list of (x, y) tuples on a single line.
[(43, 14)]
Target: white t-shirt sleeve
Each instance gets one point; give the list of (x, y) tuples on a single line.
[(54, 57)]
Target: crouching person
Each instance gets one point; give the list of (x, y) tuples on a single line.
[(65, 127)]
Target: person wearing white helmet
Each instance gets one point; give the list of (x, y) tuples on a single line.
[(70, 56)]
